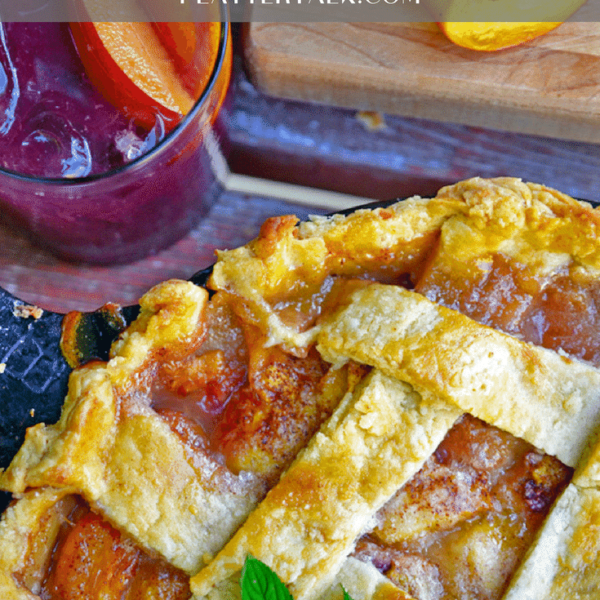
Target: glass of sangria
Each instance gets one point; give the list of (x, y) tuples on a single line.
[(108, 144)]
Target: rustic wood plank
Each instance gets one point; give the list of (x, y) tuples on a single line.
[(549, 86)]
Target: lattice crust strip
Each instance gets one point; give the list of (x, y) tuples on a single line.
[(547, 399), (564, 561), (376, 440)]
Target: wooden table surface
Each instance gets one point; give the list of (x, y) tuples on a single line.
[(344, 156)]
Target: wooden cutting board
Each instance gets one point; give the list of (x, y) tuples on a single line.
[(548, 87)]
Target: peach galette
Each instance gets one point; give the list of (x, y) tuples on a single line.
[(400, 403)]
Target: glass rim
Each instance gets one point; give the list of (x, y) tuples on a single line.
[(225, 34)]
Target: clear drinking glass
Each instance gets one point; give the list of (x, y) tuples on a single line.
[(136, 209)]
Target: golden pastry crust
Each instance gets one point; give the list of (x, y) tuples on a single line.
[(28, 529), (72, 453), (564, 562), (288, 259), (123, 458), (305, 528), (529, 222), (534, 225), (549, 400), (362, 581)]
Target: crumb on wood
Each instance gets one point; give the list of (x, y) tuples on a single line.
[(372, 120), (27, 310)]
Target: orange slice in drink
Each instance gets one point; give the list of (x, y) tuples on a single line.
[(193, 48), (147, 69)]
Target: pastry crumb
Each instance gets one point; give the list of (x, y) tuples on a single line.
[(2, 367), (32, 412), (27, 310), (372, 120)]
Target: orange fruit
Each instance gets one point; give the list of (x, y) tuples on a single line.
[(490, 25), (193, 48), (149, 68), (493, 36)]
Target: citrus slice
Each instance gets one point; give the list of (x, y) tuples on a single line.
[(193, 48), (490, 25), (147, 69), (493, 36)]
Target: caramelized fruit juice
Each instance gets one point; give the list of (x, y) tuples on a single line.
[(92, 164)]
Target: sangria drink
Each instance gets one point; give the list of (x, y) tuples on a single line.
[(107, 135)]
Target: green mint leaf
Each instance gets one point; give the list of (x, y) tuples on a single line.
[(346, 594), (259, 582)]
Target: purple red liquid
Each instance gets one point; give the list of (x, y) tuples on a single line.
[(53, 122), (77, 175)]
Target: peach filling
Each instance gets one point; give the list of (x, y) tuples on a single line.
[(249, 407), (460, 526), (92, 560), (558, 310)]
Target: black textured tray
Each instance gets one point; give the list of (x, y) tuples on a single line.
[(35, 373), (34, 380)]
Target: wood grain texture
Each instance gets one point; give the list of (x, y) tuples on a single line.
[(549, 86)]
